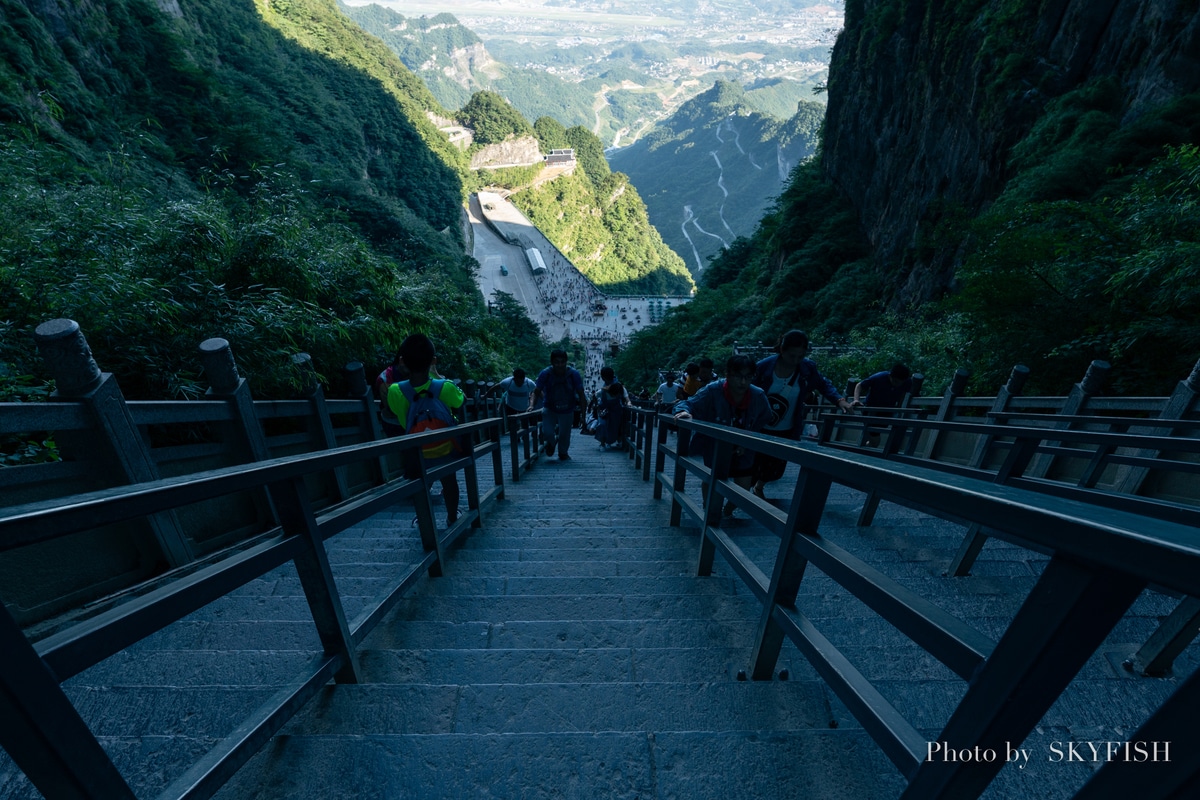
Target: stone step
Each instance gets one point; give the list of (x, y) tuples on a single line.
[(366, 710), (196, 668), (565, 634), (528, 608), (621, 765), (531, 568), (630, 554), (562, 665)]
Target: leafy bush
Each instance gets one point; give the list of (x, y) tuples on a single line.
[(492, 119)]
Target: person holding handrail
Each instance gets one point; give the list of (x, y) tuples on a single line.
[(734, 402), (884, 389), (787, 378)]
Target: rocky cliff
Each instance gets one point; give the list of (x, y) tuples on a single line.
[(927, 100), (517, 152)]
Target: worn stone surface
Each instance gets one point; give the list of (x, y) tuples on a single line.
[(579, 657)]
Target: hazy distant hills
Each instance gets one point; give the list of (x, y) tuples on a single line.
[(709, 172), (453, 63), (617, 90)]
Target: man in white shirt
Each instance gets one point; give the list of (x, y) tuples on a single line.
[(667, 394), (517, 390)]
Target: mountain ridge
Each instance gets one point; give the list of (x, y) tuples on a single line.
[(711, 169)]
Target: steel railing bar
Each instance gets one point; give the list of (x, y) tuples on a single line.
[(89, 642), (899, 740), (956, 644), (211, 772)]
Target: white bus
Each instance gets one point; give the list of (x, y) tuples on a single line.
[(536, 264)]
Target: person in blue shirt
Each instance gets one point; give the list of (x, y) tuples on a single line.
[(735, 402), (787, 378), (559, 390), (884, 389)]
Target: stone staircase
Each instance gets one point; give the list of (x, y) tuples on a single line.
[(569, 651)]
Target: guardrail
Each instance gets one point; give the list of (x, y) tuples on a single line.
[(105, 441), (41, 729), (1100, 561)]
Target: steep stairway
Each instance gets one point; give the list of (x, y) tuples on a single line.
[(569, 651)]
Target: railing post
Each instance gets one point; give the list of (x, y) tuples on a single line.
[(216, 357), (1065, 618), (648, 445), (722, 461), (516, 435), (660, 457), (1181, 402), (1093, 381), (66, 353), (918, 383), (1174, 721), (316, 578), (42, 731), (1014, 387), (471, 410), (682, 439), (495, 436), (322, 426), (471, 478), (1182, 625), (368, 420), (958, 386), (974, 539), (804, 518), (414, 469)]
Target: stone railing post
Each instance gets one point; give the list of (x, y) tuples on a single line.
[(321, 426), (360, 390), (65, 351), (958, 387), (918, 383), (1014, 387), (246, 435), (1093, 381), (974, 538), (216, 356)]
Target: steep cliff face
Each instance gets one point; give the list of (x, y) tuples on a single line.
[(926, 101)]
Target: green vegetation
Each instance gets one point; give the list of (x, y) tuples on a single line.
[(780, 98), (433, 46), (263, 174), (492, 119), (1089, 253), (596, 218), (715, 144)]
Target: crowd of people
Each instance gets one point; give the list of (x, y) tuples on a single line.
[(766, 396)]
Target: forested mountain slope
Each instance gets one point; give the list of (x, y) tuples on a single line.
[(998, 183), (265, 173), (598, 220), (454, 64), (710, 171)]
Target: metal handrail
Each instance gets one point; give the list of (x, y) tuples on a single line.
[(41, 729), (1100, 561)]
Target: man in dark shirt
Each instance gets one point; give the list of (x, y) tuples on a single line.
[(884, 389)]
